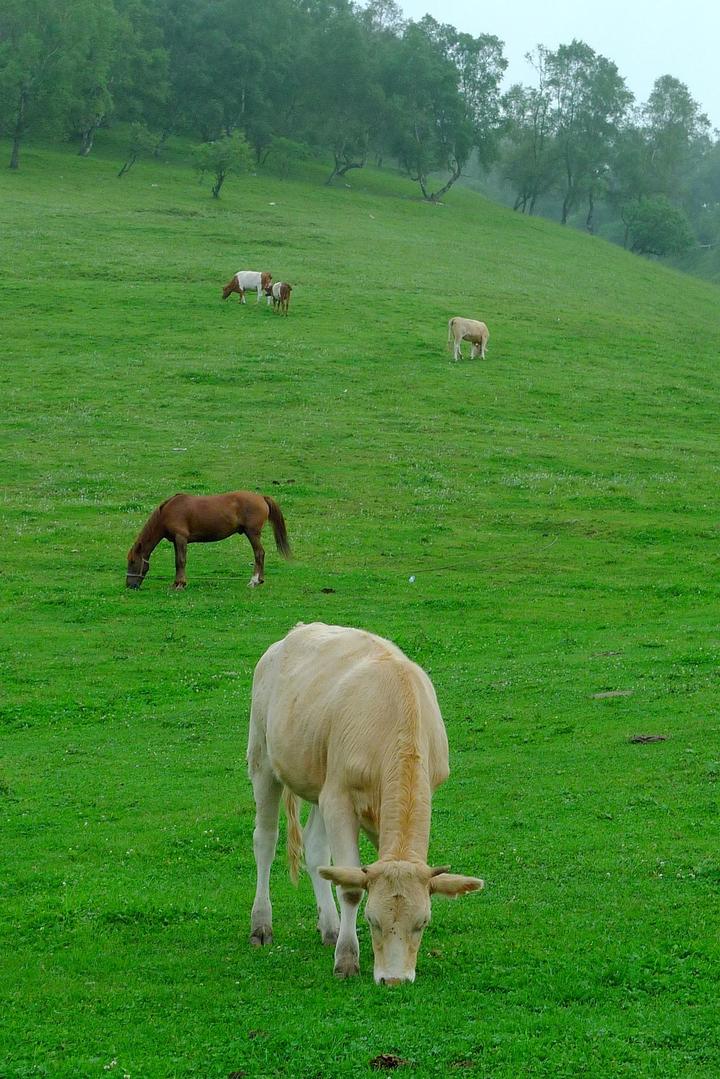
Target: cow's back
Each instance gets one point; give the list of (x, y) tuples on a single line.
[(331, 700)]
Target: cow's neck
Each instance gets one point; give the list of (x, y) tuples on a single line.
[(405, 797)]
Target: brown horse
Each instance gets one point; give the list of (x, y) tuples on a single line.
[(185, 519)]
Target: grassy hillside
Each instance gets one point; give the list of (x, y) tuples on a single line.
[(556, 506)]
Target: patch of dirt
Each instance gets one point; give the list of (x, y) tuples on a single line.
[(387, 1062)]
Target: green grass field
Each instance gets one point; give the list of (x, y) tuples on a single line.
[(557, 507)]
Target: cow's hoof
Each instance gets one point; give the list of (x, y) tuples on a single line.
[(261, 935), (329, 937), (347, 967), (179, 585)]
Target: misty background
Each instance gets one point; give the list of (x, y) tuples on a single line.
[(609, 127)]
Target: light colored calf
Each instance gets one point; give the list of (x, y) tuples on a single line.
[(279, 293), (248, 281), (342, 719), (467, 329)]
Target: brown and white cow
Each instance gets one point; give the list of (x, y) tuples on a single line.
[(248, 281), (344, 720), (279, 293), (467, 329)]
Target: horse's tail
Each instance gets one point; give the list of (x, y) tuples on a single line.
[(294, 833), (278, 526)]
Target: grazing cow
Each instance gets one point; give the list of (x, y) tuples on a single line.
[(467, 329), (342, 719), (279, 292), (247, 281)]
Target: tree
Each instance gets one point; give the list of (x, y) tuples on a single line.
[(658, 228), (590, 101), (142, 143), (284, 153), (431, 131), (530, 159), (229, 154), (92, 99), (674, 125), (44, 47)]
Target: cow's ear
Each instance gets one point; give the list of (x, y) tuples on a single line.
[(453, 885), (439, 869), (349, 876)]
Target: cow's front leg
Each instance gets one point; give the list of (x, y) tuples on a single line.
[(267, 791), (342, 830), (317, 853)]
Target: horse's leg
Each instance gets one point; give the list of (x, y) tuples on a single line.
[(258, 550), (180, 543)]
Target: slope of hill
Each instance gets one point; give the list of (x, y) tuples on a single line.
[(540, 531)]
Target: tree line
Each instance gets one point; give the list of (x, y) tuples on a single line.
[(290, 79)]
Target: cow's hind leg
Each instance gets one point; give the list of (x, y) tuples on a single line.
[(267, 791), (342, 831), (317, 853)]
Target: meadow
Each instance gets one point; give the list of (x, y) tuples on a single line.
[(539, 531)]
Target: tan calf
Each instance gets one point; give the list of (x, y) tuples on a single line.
[(467, 329), (342, 719)]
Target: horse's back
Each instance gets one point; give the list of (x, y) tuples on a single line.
[(205, 518)]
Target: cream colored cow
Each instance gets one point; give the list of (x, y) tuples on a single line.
[(342, 719), (467, 329)]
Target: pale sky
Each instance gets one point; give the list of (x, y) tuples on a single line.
[(645, 38)]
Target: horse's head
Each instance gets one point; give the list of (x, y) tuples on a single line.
[(137, 567), (265, 280)]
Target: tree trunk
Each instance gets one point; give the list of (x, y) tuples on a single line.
[(565, 209), (87, 138), (18, 131), (15, 155), (219, 181), (591, 211), (128, 165), (435, 196)]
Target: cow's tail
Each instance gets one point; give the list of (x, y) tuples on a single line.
[(450, 333), (291, 802), (278, 526)]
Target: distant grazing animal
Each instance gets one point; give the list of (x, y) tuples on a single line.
[(279, 291), (467, 329), (185, 519), (342, 719), (247, 281)]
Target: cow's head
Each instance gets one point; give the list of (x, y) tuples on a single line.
[(398, 908), (137, 567), (265, 280), (232, 286)]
